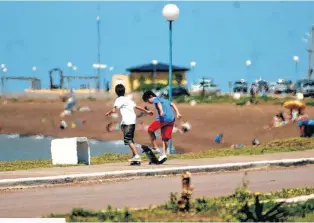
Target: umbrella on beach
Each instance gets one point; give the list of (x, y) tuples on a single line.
[(294, 104)]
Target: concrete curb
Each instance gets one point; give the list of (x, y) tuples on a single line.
[(62, 179)]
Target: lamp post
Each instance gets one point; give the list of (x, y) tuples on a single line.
[(98, 48), (72, 67), (170, 13), (309, 40), (4, 70), (107, 83), (33, 83), (248, 63), (296, 60), (154, 62)]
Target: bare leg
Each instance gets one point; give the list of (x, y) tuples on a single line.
[(153, 139), (133, 149), (164, 147)]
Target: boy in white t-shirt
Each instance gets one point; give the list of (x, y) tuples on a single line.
[(126, 107)]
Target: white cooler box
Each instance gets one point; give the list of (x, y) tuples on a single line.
[(70, 151)]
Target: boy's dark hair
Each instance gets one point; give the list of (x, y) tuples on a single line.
[(120, 90), (147, 95)]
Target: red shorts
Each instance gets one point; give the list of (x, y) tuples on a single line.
[(165, 127)]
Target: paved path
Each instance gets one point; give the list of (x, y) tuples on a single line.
[(170, 163), (143, 192)]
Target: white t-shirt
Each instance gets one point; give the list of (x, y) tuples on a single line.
[(126, 107)]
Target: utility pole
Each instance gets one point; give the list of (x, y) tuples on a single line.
[(98, 47), (310, 51)]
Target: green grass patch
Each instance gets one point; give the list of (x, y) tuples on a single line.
[(286, 145), (227, 208)]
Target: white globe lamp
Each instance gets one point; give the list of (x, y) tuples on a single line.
[(248, 63), (296, 59), (170, 12), (154, 62), (5, 70), (69, 64), (193, 64)]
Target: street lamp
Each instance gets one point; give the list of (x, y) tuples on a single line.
[(192, 65), (4, 70), (248, 63), (296, 60), (154, 62), (170, 12), (107, 82)]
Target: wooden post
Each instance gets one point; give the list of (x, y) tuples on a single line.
[(186, 194)]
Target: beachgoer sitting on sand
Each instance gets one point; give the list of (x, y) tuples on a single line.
[(218, 138), (306, 126), (278, 120), (302, 116)]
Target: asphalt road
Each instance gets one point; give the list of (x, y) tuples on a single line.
[(37, 202)]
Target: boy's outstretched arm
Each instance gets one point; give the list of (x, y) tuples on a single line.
[(114, 110), (144, 110), (176, 110)]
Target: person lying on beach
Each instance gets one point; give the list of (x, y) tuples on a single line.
[(278, 121)]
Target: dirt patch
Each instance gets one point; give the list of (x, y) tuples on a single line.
[(239, 124)]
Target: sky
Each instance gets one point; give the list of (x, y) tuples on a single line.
[(219, 36)]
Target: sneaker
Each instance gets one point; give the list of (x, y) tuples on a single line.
[(156, 151), (135, 158), (162, 158)]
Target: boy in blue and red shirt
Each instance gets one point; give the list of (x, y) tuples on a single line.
[(165, 121)]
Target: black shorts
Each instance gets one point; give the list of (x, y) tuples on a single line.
[(128, 133)]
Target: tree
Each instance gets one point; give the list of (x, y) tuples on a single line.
[(179, 78), (204, 85)]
